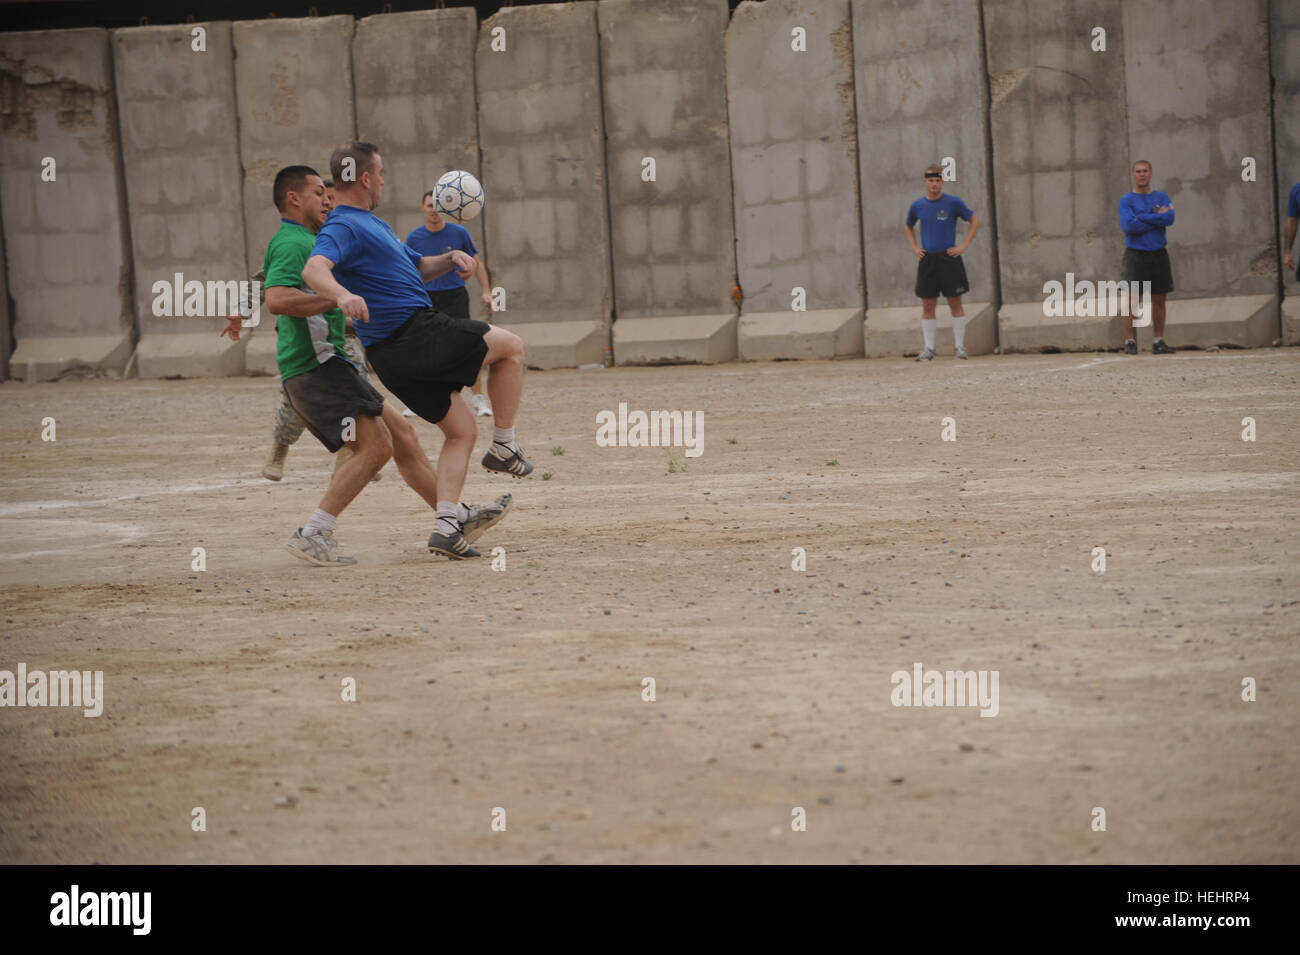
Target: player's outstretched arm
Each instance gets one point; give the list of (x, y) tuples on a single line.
[(432, 266), (319, 274), (485, 289), (285, 300)]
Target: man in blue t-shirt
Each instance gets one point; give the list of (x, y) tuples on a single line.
[(940, 268), (423, 356), (1144, 214), (1292, 220), (447, 292)]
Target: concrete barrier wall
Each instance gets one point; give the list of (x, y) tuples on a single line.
[(665, 104), (67, 251), (180, 154), (794, 162), (413, 75), (1284, 35), (293, 89), (922, 95), (6, 315), (542, 140)]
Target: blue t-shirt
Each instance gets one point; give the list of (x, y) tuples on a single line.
[(1144, 228), (371, 261), (1293, 203), (447, 239), (938, 220)]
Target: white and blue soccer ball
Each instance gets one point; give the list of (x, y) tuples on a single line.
[(459, 195)]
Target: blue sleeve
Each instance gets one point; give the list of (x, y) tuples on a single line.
[(415, 255), (964, 211), (1161, 219), (469, 242), (335, 241), (1293, 205), (1128, 219), (911, 215)]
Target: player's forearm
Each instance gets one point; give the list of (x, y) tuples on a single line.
[(970, 233), (432, 266), (911, 239), (282, 300), (1292, 225), (482, 275), (319, 274)]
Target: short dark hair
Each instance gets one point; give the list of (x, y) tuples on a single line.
[(329, 183), (362, 156), (1142, 162), (425, 196), (287, 180)]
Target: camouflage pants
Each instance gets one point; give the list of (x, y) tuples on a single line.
[(289, 425)]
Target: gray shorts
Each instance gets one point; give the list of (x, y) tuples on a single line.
[(327, 395)]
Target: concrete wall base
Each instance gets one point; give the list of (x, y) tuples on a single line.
[(1291, 320), (562, 344), (190, 355), (54, 356), (897, 331), (822, 333), (675, 340), (259, 356), (1243, 321), (1024, 328)]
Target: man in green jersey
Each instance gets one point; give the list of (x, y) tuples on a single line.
[(336, 404)]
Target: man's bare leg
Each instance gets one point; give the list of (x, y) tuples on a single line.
[(412, 463), (506, 383), (958, 324)]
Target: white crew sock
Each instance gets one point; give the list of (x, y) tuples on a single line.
[(462, 513), (319, 521), (927, 331), (448, 517), (503, 439), (959, 330)]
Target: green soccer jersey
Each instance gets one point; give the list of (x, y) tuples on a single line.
[(301, 343)]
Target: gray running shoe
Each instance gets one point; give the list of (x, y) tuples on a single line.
[(319, 549), (961, 353), (514, 465), (1131, 347), (1160, 348), (927, 355), (453, 546), (483, 517)]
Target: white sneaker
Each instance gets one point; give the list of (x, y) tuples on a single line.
[(961, 353), (482, 407), (319, 549), (926, 355)]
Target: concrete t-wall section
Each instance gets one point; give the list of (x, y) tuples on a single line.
[(414, 79), (293, 91), (542, 139), (180, 153), (672, 240), (922, 98), (1060, 161), (795, 165), (6, 315), (1284, 54), (1198, 104), (65, 239)]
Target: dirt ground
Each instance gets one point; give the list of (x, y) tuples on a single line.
[(522, 689)]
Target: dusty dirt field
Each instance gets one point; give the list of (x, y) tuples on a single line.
[(522, 689)]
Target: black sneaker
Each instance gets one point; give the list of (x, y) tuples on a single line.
[(1160, 348), (483, 517), (453, 546), (1130, 347), (514, 465)]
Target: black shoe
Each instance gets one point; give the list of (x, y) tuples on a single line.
[(1130, 347), (453, 546), (1160, 348), (483, 517), (514, 465)]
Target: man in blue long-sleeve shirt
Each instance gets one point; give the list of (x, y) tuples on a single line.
[(1144, 214)]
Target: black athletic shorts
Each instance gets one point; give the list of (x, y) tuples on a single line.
[(452, 301), (1141, 265), (941, 273), (428, 359), (327, 394)]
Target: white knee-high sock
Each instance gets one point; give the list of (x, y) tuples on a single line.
[(927, 331), (959, 330)]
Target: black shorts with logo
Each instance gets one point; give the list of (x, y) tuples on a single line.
[(428, 358), (1141, 265), (451, 301), (941, 273), (327, 394)]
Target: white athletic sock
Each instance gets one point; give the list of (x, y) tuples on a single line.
[(927, 331), (959, 330), (504, 438), (462, 513), (448, 517), (319, 521)]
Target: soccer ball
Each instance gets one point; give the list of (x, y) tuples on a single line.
[(459, 195)]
